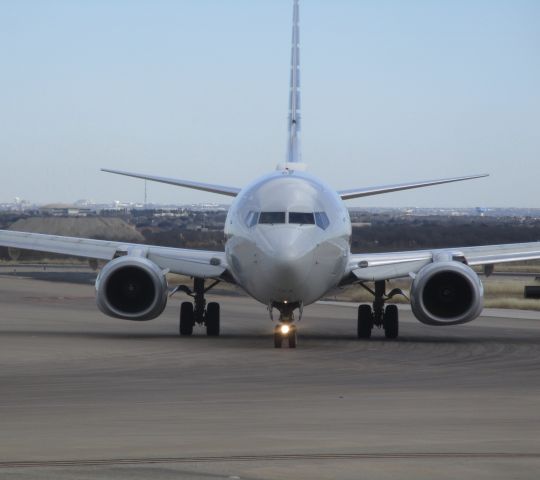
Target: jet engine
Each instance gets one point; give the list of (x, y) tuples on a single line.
[(447, 293), (131, 288)]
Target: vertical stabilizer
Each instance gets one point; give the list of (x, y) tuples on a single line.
[(293, 149)]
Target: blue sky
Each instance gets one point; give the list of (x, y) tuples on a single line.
[(392, 91)]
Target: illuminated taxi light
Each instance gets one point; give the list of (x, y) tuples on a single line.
[(285, 329)]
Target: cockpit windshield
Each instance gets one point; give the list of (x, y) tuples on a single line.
[(296, 218), (272, 217), (303, 218)]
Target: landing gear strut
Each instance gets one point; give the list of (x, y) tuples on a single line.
[(377, 315), (285, 330), (198, 312)]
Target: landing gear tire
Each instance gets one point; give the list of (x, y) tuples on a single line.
[(212, 319), (365, 321), (391, 322), (292, 338), (187, 319)]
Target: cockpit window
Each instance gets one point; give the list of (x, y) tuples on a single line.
[(272, 217), (297, 218), (321, 219), (251, 218), (303, 218)]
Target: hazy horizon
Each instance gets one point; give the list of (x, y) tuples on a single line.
[(150, 204)]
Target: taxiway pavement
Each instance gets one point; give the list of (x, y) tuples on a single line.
[(86, 396)]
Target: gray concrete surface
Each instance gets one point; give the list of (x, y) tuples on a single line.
[(85, 396)]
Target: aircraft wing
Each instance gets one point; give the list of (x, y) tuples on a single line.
[(196, 263), (369, 191), (384, 266), (206, 187)]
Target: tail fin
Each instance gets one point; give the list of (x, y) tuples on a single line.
[(293, 150)]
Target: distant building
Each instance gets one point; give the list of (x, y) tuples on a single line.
[(63, 210)]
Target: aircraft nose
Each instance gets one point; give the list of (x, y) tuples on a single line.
[(284, 244), (288, 254)]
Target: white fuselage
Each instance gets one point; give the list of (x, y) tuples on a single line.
[(288, 238)]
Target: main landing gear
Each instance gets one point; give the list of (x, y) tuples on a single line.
[(379, 315), (198, 312)]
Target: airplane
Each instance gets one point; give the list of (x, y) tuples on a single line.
[(287, 245)]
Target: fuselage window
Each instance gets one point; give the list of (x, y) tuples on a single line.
[(252, 218), (321, 219), (272, 217), (302, 218)]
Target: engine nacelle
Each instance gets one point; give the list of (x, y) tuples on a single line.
[(447, 293), (131, 288)]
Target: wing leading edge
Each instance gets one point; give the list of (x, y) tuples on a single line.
[(385, 266), (196, 263)]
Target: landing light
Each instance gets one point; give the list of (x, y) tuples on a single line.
[(285, 329)]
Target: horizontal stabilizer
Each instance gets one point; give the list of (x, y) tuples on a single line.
[(368, 191), (206, 187)]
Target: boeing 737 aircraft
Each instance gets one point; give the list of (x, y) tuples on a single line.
[(288, 244)]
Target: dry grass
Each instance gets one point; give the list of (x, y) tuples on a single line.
[(530, 266), (508, 293), (64, 261), (513, 303)]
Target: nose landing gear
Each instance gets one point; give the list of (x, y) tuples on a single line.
[(285, 332)]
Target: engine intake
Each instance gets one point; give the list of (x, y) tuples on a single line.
[(447, 293), (131, 288)]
